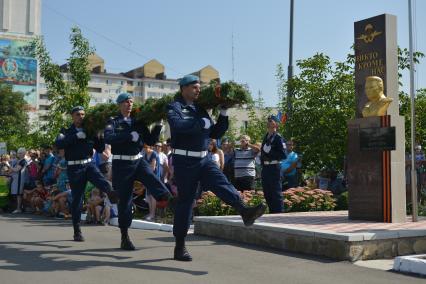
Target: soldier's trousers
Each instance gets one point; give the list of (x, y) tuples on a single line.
[(188, 173), (124, 174), (271, 184), (78, 176)]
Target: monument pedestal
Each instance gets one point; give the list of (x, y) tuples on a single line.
[(376, 174)]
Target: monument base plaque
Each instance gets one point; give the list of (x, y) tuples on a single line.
[(376, 169)]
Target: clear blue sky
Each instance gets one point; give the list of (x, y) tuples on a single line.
[(190, 34)]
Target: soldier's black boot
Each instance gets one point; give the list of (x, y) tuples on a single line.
[(126, 243), (250, 213), (78, 236), (181, 253)]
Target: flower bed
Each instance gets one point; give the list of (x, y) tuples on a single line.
[(295, 200)]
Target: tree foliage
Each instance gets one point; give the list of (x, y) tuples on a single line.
[(13, 117), (65, 92)]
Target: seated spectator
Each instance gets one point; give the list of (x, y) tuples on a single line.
[(244, 164), (95, 206), (288, 167), (39, 197), (110, 211)]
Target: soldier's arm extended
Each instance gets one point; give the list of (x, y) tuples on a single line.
[(63, 140), (112, 138), (181, 125), (219, 129)]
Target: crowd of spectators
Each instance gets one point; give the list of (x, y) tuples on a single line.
[(39, 183)]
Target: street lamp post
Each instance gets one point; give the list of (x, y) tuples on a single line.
[(290, 64), (413, 117)]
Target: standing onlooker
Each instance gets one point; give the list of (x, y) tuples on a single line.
[(273, 153), (244, 164), (61, 172), (48, 171), (18, 173), (33, 169), (164, 162), (288, 167), (215, 154), (153, 160), (228, 159)]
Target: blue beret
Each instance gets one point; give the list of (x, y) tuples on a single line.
[(76, 108), (274, 118), (123, 97), (189, 79)]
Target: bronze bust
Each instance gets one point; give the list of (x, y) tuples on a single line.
[(378, 103)]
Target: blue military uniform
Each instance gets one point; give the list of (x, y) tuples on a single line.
[(78, 154), (272, 152), (191, 165), (128, 164), (191, 128)]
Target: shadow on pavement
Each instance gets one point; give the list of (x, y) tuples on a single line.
[(24, 259)]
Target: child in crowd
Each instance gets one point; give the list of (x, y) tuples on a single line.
[(110, 211), (94, 207), (39, 197)]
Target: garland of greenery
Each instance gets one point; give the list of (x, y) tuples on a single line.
[(229, 94)]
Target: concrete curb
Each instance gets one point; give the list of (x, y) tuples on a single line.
[(142, 225), (411, 264)]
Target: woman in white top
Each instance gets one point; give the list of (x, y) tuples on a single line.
[(216, 154), (18, 173)]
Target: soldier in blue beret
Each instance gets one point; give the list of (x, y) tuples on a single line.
[(191, 128), (127, 137), (272, 153), (78, 154)]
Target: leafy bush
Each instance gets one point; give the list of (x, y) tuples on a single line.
[(342, 201), (210, 205)]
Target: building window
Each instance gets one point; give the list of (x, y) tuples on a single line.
[(121, 83), (43, 107), (161, 86), (94, 90), (44, 96), (130, 83), (107, 82)]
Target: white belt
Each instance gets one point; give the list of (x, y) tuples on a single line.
[(201, 154), (126, 157), (79, 162), (271, 162)]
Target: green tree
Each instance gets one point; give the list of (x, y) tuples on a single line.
[(323, 102), (69, 91), (13, 117)]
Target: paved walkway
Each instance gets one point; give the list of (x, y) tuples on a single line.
[(38, 250), (332, 221)]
